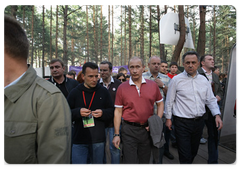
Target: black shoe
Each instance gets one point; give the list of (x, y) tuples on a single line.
[(169, 155)]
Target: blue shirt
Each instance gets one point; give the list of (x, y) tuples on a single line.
[(187, 97)]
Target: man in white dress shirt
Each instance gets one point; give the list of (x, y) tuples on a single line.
[(188, 93)]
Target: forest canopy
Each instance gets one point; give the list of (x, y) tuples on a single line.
[(80, 33)]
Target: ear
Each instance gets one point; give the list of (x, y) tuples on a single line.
[(82, 75)]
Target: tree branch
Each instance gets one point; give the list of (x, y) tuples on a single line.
[(74, 11)]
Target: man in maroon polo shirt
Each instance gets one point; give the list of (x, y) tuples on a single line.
[(135, 104)]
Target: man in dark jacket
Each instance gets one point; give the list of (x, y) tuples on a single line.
[(207, 64), (111, 84), (91, 107), (59, 79)]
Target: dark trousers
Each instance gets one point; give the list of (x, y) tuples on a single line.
[(136, 144), (213, 137), (188, 134)]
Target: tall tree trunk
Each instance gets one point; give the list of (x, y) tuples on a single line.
[(162, 46), (56, 50), (87, 35), (112, 35), (181, 40), (51, 33), (14, 10), (194, 27), (150, 31), (121, 60), (125, 37), (101, 41), (109, 24), (32, 31), (142, 33), (214, 31), (65, 59), (23, 8), (43, 32), (95, 36), (72, 49), (130, 35), (210, 40), (202, 32), (222, 55), (158, 20), (185, 49)]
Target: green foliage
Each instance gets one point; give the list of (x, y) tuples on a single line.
[(77, 31)]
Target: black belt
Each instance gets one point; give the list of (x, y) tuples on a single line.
[(192, 119), (137, 124)]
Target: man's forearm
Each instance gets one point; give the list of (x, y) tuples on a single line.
[(117, 119)]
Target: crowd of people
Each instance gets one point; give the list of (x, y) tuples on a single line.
[(64, 120)]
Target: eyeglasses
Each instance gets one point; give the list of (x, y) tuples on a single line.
[(122, 80)]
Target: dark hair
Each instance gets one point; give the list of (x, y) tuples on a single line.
[(109, 64), (164, 62), (90, 65), (71, 73), (56, 60), (203, 58), (120, 74), (190, 53), (122, 69), (173, 63), (16, 43)]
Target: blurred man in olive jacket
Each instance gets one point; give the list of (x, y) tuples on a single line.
[(37, 118)]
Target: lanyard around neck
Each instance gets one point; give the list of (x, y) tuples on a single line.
[(85, 99)]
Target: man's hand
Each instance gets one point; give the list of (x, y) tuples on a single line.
[(97, 113), (85, 112), (219, 123), (116, 141), (169, 124), (159, 82), (218, 98)]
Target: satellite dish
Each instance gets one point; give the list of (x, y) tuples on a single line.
[(169, 30)]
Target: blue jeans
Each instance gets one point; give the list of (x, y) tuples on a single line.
[(115, 153), (83, 153)]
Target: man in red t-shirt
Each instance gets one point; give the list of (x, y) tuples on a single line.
[(173, 70), (135, 104)]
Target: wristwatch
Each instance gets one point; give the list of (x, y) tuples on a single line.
[(116, 135), (163, 86)]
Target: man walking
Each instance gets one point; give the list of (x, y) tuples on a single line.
[(111, 84), (162, 81), (91, 107), (135, 103), (188, 93), (207, 65), (58, 78)]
